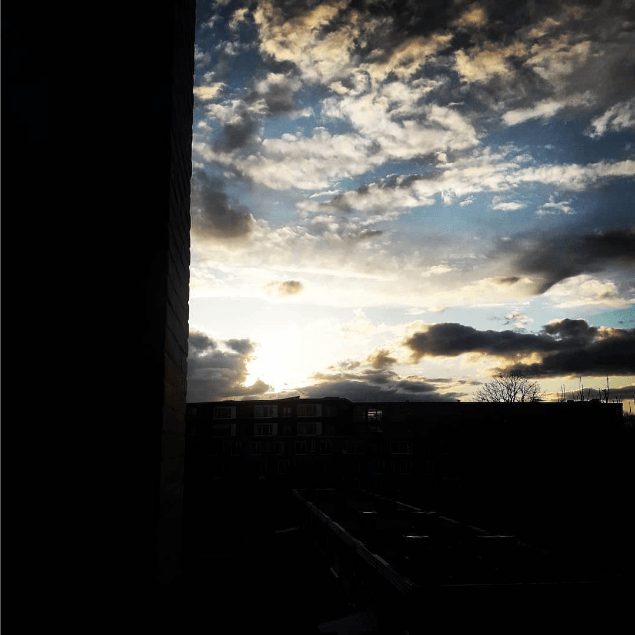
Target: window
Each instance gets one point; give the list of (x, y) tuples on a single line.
[(221, 431), (286, 411), (225, 413), (309, 410), (427, 466), (280, 447), (348, 447), (283, 467), (359, 447), (265, 429), (300, 447), (401, 447), (380, 467), (313, 447), (309, 428), (325, 447), (237, 447), (255, 447), (405, 467), (265, 412), (374, 414)]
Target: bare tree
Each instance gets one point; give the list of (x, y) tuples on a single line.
[(509, 388)]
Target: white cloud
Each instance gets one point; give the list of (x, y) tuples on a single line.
[(240, 15), (486, 171), (584, 290), (517, 319), (481, 64), (618, 117), (553, 207), (556, 59), (206, 93), (320, 57), (509, 206), (474, 16), (407, 58), (575, 176), (546, 108), (436, 270), (436, 128)]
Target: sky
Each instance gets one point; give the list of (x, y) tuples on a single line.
[(398, 200)]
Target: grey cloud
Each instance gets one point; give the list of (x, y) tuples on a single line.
[(605, 72), (278, 92), (360, 390), (213, 215), (199, 342), (239, 131), (570, 330), (613, 355), (566, 347), (285, 288), (509, 280), (381, 359), (215, 374), (555, 258), (244, 346), (451, 339)]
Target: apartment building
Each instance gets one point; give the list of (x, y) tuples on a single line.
[(531, 469)]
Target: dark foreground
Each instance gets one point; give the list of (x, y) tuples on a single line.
[(252, 568)]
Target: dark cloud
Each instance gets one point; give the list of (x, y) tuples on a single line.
[(556, 257), (578, 330), (509, 280), (239, 131), (213, 215), (566, 347), (285, 288), (605, 355), (244, 346), (381, 359), (358, 382), (215, 374), (451, 339), (347, 231), (199, 342), (278, 92), (360, 390)]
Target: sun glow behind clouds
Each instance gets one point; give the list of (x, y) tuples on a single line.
[(285, 359)]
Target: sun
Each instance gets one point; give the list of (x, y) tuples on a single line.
[(282, 361)]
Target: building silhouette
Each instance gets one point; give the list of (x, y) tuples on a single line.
[(534, 469), (539, 481)]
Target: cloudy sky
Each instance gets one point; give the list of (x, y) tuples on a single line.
[(396, 200)]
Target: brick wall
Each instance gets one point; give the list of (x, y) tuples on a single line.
[(169, 535)]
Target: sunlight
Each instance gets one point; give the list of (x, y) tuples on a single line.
[(284, 361)]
